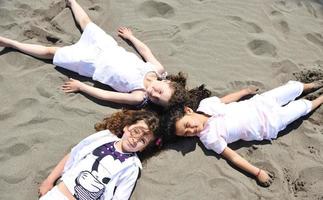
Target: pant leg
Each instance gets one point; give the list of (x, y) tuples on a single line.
[(285, 93), (54, 194), (293, 111)]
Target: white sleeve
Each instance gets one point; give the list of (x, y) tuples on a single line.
[(211, 106), (126, 183)]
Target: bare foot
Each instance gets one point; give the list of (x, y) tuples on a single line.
[(309, 87), (317, 102)]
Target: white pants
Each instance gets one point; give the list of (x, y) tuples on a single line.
[(54, 194), (289, 109), (81, 56)]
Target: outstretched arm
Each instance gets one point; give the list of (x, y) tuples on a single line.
[(141, 47), (48, 183), (239, 94), (133, 98), (261, 175)]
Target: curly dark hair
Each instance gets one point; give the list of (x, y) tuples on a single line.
[(177, 111), (181, 95), (117, 121)]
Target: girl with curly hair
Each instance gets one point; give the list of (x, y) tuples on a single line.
[(104, 165)]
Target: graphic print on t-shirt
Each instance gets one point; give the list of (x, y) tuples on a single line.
[(91, 186)]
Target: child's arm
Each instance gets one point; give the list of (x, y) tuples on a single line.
[(133, 98), (142, 48), (262, 176), (239, 94), (48, 183)]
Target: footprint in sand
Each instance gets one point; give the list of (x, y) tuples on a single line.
[(50, 12), (287, 5), (309, 181), (249, 27), (168, 32), (41, 34), (283, 70), (238, 85), (152, 9), (48, 86), (315, 38), (13, 150), (261, 47), (290, 5), (310, 9), (193, 25), (279, 23), (17, 149), (221, 185), (19, 107)]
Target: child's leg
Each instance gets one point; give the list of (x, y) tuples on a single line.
[(37, 51), (80, 15), (285, 93), (290, 91), (297, 109), (309, 87)]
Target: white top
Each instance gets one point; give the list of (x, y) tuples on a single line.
[(253, 119), (96, 170), (98, 55)]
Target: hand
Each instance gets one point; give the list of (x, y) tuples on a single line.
[(72, 85), (264, 178), (252, 89), (125, 32), (44, 187)]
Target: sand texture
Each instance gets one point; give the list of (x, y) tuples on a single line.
[(226, 44)]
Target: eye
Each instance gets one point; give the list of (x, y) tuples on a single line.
[(143, 141)]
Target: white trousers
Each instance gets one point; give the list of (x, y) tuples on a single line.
[(289, 109), (54, 194)]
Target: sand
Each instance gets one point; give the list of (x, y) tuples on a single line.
[(226, 44)]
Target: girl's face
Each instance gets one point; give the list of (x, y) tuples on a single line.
[(159, 92), (191, 124), (136, 137)]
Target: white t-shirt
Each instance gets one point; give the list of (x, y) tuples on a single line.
[(253, 119), (97, 55), (96, 170)]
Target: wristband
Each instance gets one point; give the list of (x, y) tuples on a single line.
[(258, 173)]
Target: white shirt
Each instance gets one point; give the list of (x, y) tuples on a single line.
[(109, 178), (253, 119)]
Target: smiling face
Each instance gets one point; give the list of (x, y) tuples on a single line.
[(159, 92), (136, 137), (191, 124)]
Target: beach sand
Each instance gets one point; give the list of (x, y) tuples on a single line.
[(226, 44)]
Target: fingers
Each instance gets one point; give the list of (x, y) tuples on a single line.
[(124, 31), (266, 182), (253, 89), (271, 175), (70, 86)]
